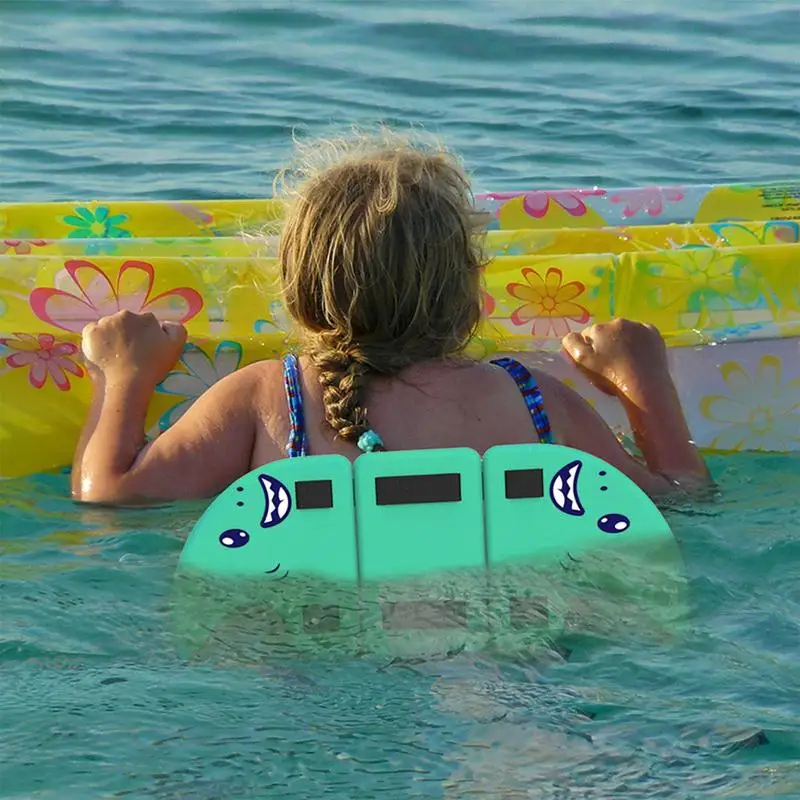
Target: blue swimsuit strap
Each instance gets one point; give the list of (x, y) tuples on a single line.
[(298, 441), (297, 445), (530, 394)]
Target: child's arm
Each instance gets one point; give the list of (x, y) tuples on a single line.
[(660, 430), (208, 448), (627, 360), (576, 424)]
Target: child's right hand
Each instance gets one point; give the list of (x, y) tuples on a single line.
[(619, 357), (127, 347)]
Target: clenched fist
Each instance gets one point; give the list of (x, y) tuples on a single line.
[(128, 346), (616, 356)]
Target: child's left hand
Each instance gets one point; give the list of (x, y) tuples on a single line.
[(127, 347)]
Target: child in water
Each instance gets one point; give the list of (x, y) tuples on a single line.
[(381, 271)]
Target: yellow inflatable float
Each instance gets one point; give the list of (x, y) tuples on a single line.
[(716, 268)]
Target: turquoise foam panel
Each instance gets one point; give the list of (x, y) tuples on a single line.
[(564, 527), (273, 562), (290, 518), (419, 512), (420, 527), (543, 502)]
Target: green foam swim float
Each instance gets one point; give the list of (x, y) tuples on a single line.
[(411, 552)]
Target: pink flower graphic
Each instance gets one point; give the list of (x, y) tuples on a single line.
[(97, 297), (20, 247), (537, 204), (195, 214), (45, 357), (649, 199), (489, 303)]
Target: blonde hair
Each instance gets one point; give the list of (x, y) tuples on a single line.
[(379, 263)]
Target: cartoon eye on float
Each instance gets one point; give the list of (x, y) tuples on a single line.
[(613, 523), (234, 537)]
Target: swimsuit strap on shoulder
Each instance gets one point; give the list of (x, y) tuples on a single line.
[(530, 394), (297, 445)]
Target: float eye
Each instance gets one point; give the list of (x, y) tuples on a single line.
[(613, 523), (234, 538)]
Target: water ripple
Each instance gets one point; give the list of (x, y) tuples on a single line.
[(201, 99)]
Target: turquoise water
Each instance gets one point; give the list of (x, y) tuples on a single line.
[(96, 702), (142, 99)]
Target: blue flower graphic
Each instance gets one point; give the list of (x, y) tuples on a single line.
[(200, 372), (96, 224)]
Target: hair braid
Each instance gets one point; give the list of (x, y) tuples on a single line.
[(343, 378)]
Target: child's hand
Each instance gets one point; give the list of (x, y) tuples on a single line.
[(127, 347), (620, 356)]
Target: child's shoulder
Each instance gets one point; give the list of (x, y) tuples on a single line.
[(257, 376)]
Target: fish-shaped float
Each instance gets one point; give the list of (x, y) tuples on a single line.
[(411, 550)]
